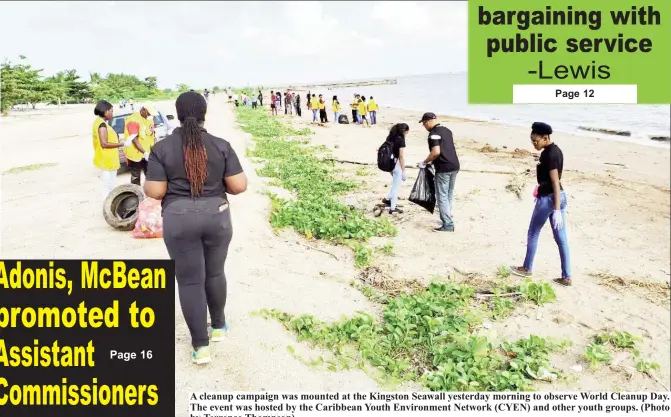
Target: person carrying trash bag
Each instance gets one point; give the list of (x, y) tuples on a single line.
[(443, 157)]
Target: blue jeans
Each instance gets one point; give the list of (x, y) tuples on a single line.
[(396, 176), (373, 117), (543, 210), (315, 112), (444, 189), (335, 117)]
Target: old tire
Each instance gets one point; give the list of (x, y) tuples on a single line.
[(121, 206)]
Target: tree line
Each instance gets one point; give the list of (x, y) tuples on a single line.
[(21, 84)]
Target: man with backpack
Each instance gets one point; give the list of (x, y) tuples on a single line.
[(390, 158)]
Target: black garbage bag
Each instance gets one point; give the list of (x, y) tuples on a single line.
[(424, 191), (342, 119)]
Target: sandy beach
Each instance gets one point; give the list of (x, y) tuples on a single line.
[(618, 231)]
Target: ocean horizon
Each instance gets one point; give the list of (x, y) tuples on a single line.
[(447, 94)]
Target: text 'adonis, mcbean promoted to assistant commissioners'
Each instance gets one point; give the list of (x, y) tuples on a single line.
[(89, 335)]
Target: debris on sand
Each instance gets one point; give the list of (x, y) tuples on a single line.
[(606, 131), (488, 149), (516, 184), (522, 153), (655, 292), (661, 138), (376, 278)]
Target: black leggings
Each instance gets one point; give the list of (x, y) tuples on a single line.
[(136, 169), (197, 234), (323, 116)]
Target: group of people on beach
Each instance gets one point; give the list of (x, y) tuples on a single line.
[(192, 171), (549, 196), (317, 105)]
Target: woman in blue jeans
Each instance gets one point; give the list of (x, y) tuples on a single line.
[(397, 138), (550, 203)]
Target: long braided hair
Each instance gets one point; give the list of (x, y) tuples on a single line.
[(191, 108)]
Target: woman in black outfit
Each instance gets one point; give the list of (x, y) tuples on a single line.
[(298, 105), (192, 172)]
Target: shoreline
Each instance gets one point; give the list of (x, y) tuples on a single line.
[(593, 134), (619, 159), (597, 133)]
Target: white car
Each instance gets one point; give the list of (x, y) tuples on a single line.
[(162, 126)]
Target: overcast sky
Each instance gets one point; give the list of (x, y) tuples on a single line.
[(234, 43)]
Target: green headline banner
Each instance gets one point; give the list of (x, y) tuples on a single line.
[(561, 51)]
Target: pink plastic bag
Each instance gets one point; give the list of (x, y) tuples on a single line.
[(536, 192), (149, 223)]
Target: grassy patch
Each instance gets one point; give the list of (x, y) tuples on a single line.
[(655, 292), (387, 249), (431, 335), (538, 292), (605, 344), (25, 168), (295, 166), (363, 172)]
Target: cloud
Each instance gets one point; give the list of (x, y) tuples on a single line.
[(208, 43), (433, 21)]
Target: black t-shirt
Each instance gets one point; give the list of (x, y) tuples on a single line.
[(397, 143), (166, 163), (448, 160), (551, 158)]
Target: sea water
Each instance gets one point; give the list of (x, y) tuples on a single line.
[(447, 94)]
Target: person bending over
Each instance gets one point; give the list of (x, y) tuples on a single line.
[(396, 137)]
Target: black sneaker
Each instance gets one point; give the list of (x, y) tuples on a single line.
[(444, 229), (386, 201), (396, 210)]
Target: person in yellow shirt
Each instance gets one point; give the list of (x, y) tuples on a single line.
[(106, 146), (335, 105), (355, 109), (140, 129), (372, 109), (322, 110), (363, 109), (314, 106)]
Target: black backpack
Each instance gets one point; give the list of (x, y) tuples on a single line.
[(342, 119), (386, 160)]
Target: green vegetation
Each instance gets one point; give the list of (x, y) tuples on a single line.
[(503, 272), (538, 292), (363, 255), (386, 249), (645, 366), (596, 355), (603, 345), (619, 340), (33, 167), (432, 336), (316, 211), (23, 84)]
